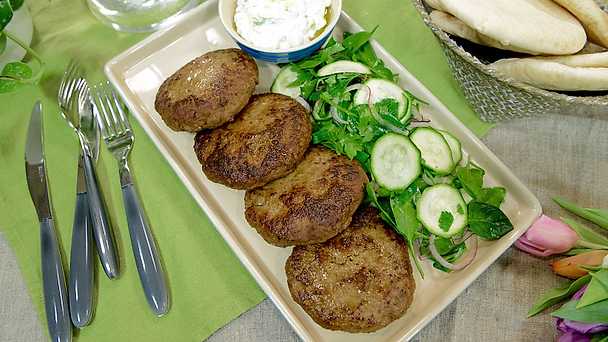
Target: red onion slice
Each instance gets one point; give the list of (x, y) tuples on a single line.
[(355, 86), (304, 103), (336, 116), (464, 262)]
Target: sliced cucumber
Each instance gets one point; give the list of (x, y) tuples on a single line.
[(282, 82), (395, 161), (342, 67), (454, 146), (435, 151), (442, 210), (380, 90)]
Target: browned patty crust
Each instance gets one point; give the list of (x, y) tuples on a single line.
[(265, 142), (359, 281), (310, 205), (207, 92)]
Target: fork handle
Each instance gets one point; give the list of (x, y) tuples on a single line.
[(80, 287), (101, 224), (149, 267)]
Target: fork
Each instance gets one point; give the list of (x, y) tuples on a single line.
[(118, 136), (72, 81)]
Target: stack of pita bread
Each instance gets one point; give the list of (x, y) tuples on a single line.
[(568, 38)]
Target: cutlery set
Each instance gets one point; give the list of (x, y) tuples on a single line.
[(88, 111)]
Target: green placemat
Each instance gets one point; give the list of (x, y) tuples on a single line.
[(209, 287)]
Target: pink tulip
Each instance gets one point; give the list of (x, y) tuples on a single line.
[(547, 236)]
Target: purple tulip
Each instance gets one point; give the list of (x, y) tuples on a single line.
[(573, 331), (547, 236)]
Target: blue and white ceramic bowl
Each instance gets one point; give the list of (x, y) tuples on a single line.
[(226, 11)]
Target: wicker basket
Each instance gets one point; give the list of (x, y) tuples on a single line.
[(496, 98)]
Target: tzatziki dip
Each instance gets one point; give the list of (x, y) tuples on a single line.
[(280, 24)]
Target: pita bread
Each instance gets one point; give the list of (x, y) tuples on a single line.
[(592, 48), (552, 75), (590, 60), (457, 27), (434, 4), (539, 26), (593, 18)]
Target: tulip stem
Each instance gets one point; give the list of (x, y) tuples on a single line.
[(587, 244)]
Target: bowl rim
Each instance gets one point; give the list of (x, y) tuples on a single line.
[(336, 8), (485, 69)]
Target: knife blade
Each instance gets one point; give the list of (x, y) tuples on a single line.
[(53, 277)]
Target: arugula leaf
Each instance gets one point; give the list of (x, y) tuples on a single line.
[(384, 212), (597, 290), (557, 295), (6, 13), (355, 41), (470, 178), (594, 313), (406, 222), (487, 221), (597, 216), (585, 233), (17, 71), (445, 220), (493, 196)]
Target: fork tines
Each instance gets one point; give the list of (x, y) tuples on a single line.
[(112, 118)]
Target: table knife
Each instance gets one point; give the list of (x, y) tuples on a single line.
[(53, 278)]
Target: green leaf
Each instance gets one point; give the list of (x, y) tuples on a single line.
[(445, 220), (594, 313), (597, 216), (16, 4), (493, 196), (487, 221), (406, 221), (459, 209), (586, 233), (17, 71), (371, 195), (8, 85), (356, 41), (577, 251), (600, 337), (557, 295), (597, 290), (6, 13), (2, 42), (471, 179)]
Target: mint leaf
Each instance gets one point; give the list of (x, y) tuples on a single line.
[(17, 71), (471, 179), (445, 220), (487, 221)]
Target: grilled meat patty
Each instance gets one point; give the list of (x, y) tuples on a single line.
[(359, 281), (310, 205), (266, 141), (207, 92)]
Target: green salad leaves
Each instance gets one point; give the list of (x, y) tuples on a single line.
[(351, 126)]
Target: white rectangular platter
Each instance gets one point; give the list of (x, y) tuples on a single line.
[(137, 74)]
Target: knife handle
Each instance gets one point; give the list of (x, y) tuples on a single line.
[(149, 267), (101, 224), (81, 264), (53, 281)]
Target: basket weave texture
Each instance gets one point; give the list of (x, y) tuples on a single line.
[(496, 98)]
